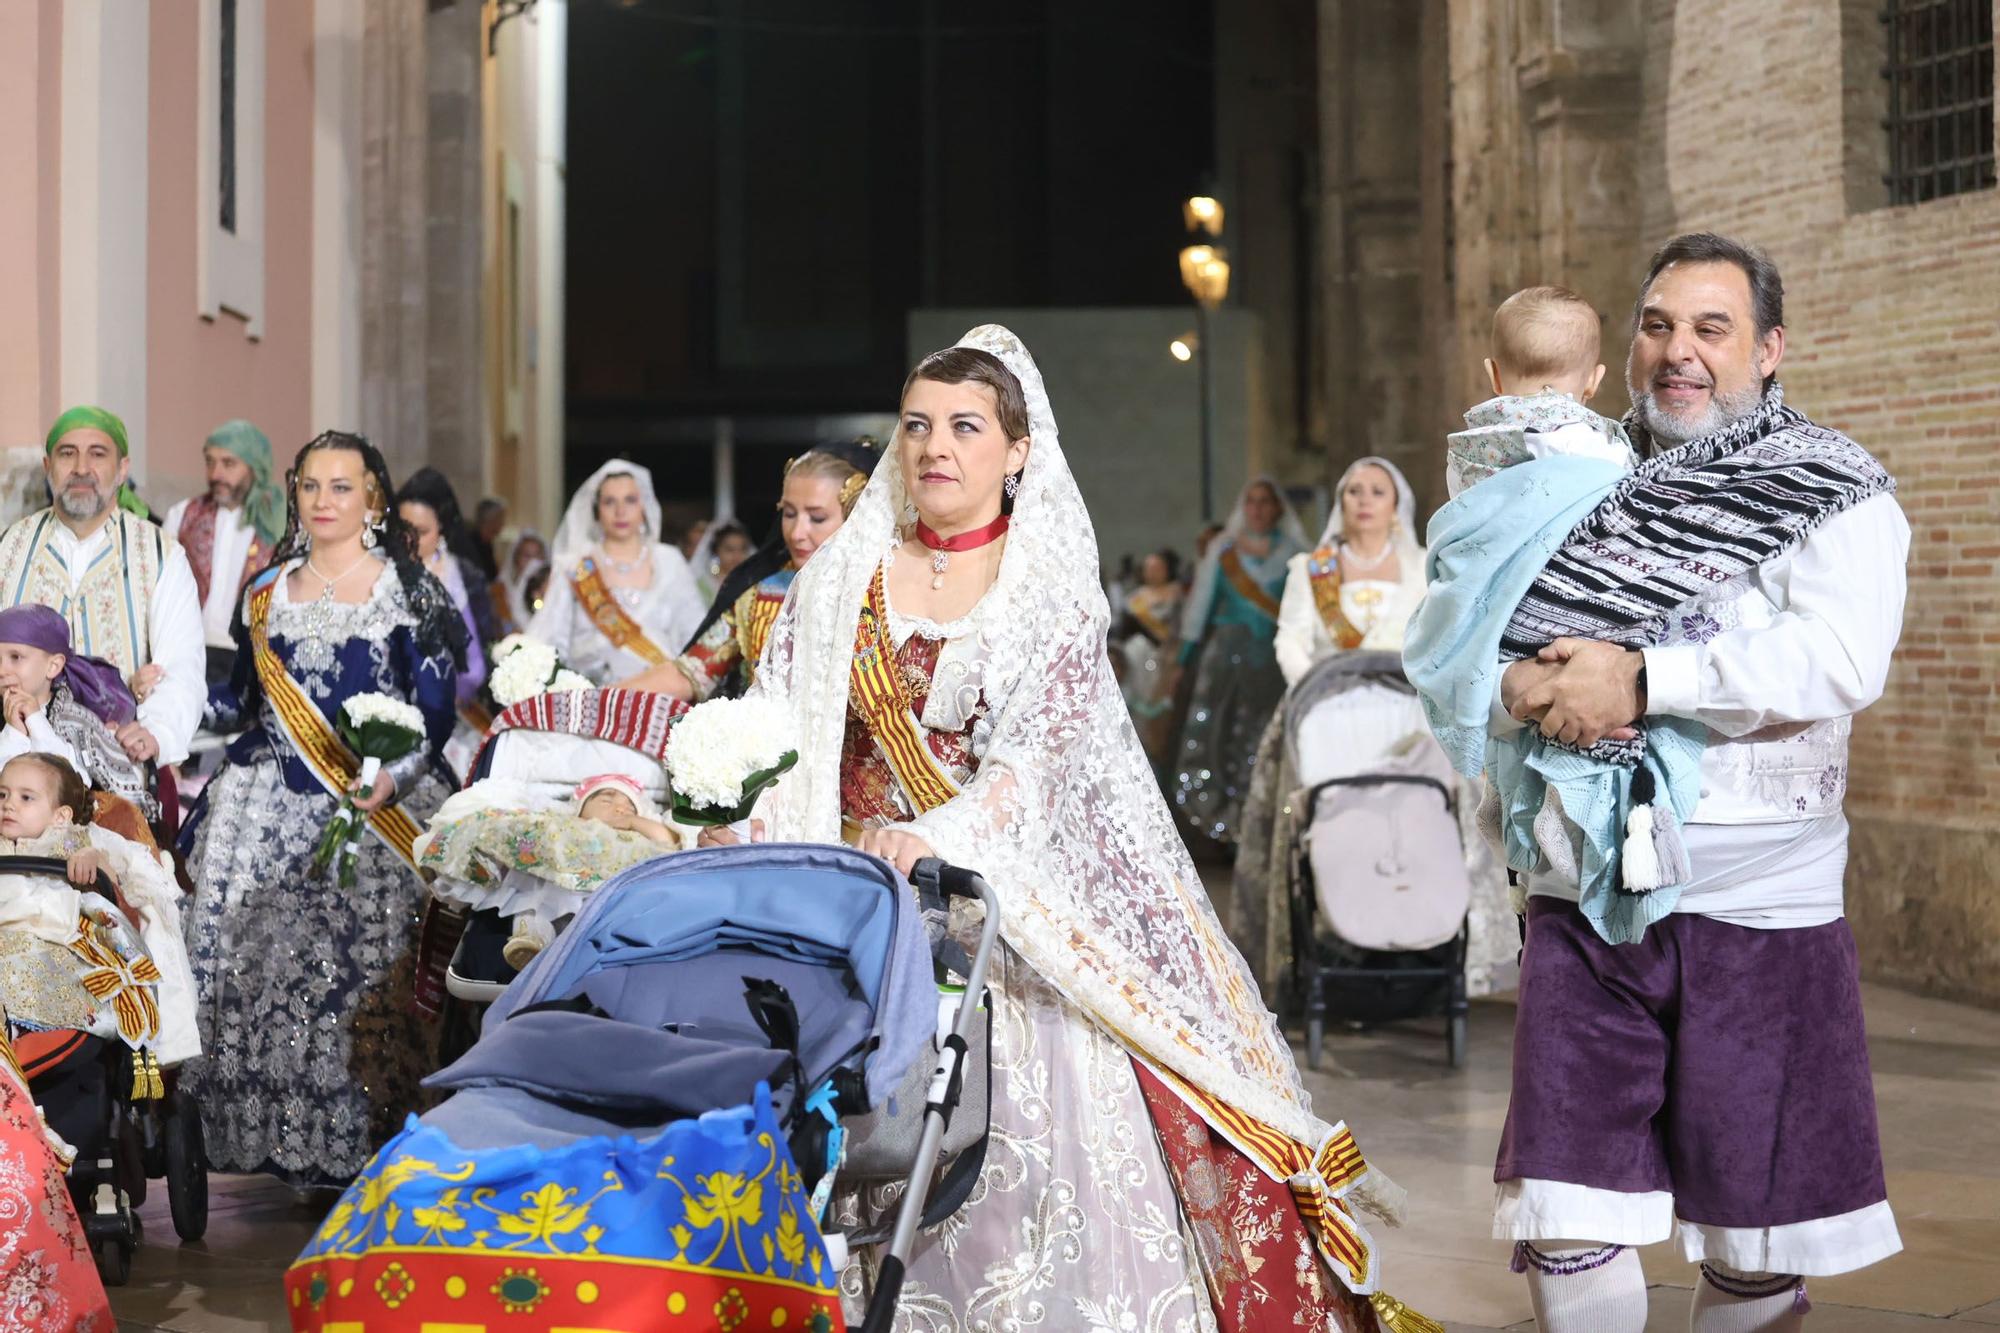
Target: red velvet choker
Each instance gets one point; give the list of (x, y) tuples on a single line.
[(942, 547), (964, 541)]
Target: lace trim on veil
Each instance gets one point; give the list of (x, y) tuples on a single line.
[(1064, 817)]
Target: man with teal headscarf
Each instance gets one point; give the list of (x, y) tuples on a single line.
[(230, 531), (124, 586)]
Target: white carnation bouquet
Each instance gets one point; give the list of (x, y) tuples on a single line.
[(525, 667), (380, 729), (722, 755)]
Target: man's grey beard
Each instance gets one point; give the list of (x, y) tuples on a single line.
[(229, 497), (1669, 428), (80, 504)]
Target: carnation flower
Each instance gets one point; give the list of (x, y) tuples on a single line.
[(365, 708), (723, 753), (567, 680), (525, 670)]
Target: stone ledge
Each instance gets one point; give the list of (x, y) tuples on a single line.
[(1924, 902)]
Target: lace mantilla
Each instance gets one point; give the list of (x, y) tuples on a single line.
[(1063, 817)]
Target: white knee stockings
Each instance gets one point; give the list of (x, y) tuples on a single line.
[(1728, 1301), (1577, 1287)]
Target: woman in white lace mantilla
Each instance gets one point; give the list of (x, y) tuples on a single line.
[(1151, 1148), (619, 601)]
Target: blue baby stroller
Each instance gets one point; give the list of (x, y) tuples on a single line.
[(654, 1113)]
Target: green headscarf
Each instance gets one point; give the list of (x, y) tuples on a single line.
[(96, 418), (264, 503)]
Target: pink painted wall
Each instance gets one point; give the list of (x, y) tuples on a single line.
[(201, 372), (30, 153)]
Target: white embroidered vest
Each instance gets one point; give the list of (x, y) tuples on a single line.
[(108, 603), (1782, 774)]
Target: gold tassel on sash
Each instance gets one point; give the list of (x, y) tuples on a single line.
[(1397, 1317)]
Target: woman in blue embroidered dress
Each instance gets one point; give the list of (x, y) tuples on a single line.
[(1229, 624), (313, 1052)]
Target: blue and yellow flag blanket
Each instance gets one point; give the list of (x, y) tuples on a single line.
[(1486, 549), (704, 1226)]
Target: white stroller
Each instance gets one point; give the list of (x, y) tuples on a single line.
[(1380, 891)]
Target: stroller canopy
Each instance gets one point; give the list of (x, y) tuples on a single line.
[(676, 941)]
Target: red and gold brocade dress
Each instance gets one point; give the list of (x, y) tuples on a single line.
[(736, 640), (1104, 1201)]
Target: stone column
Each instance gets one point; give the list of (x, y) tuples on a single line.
[(394, 152), (455, 401)]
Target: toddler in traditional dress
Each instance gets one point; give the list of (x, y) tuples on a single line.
[(45, 811), (57, 701), (1544, 368)]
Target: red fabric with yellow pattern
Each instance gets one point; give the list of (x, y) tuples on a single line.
[(409, 1291)]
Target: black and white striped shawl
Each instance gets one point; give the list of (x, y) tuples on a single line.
[(1685, 522)]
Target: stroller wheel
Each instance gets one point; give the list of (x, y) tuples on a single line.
[(187, 1167), (1455, 1041), (114, 1260)]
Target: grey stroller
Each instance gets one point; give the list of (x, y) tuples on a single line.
[(750, 1009)]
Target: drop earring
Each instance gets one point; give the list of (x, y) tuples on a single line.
[(371, 533), (1012, 485)]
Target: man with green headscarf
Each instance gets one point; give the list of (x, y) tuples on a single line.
[(124, 586), (229, 532)]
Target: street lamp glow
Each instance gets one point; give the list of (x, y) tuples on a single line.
[(1205, 273), (1183, 347), (1202, 213)]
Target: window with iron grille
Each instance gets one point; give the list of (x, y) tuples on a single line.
[(1940, 96)]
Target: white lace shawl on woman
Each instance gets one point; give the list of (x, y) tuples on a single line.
[(1064, 817)]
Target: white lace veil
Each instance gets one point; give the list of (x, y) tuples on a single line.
[(578, 532), (1064, 817), (1288, 538), (1404, 535)]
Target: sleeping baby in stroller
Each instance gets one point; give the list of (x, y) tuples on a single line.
[(499, 834)]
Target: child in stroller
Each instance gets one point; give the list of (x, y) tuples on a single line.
[(500, 828), (100, 998)]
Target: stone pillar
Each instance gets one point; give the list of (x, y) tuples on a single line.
[(394, 152), (455, 438), (1372, 347), (1545, 117)]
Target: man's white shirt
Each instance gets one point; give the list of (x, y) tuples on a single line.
[(225, 577)]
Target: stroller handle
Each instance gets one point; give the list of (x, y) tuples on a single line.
[(54, 865), (932, 874)]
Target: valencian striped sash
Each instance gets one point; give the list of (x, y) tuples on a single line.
[(130, 984), (1317, 1179), (312, 738), (879, 695), (602, 607), (756, 612), (1239, 578), (1323, 572)]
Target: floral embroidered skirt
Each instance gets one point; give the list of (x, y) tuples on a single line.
[(311, 1052)]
